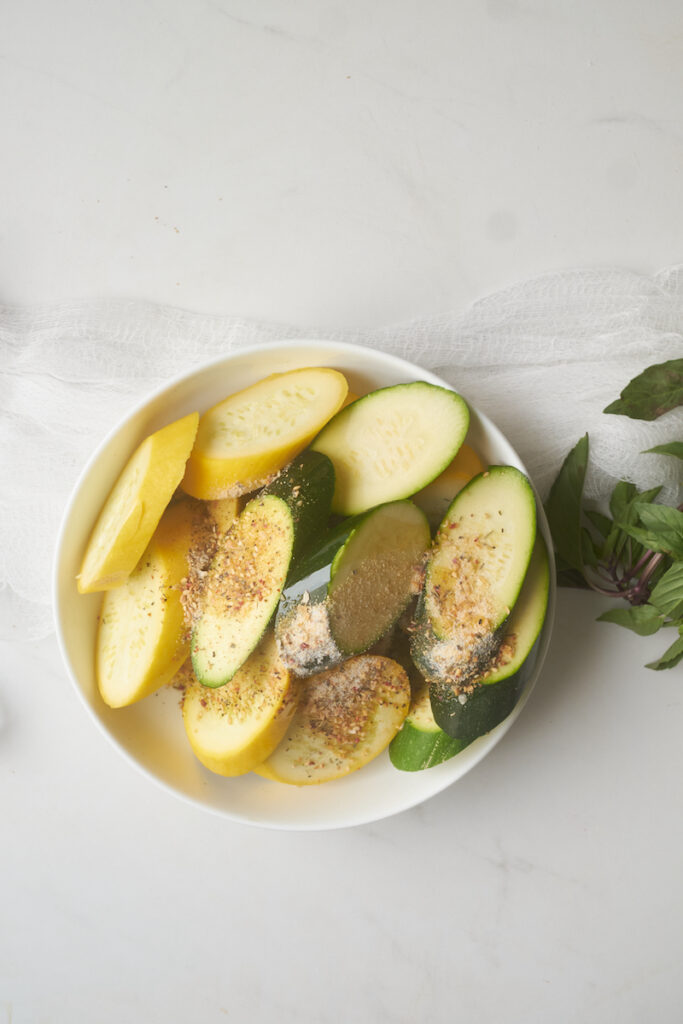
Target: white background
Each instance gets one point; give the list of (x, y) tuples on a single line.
[(344, 164)]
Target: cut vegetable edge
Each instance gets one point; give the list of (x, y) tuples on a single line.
[(343, 607), (263, 427), (224, 512), (474, 575), (527, 616), (375, 574), (306, 484), (252, 563), (499, 690), (141, 639), (233, 729), (135, 505), (346, 717), (243, 589), (496, 502), (302, 626), (483, 710), (391, 443), (420, 743)]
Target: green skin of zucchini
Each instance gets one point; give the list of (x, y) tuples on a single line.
[(319, 554), (486, 708), (442, 406), (477, 657), (414, 749), (495, 697), (419, 743), (306, 486), (456, 725), (427, 740), (311, 574)]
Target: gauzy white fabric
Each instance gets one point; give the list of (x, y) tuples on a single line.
[(542, 359)]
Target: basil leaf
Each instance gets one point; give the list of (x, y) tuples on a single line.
[(625, 505), (643, 619), (602, 523), (647, 497), (656, 390), (621, 497), (674, 448), (563, 507), (589, 549), (661, 530), (632, 513), (667, 523), (657, 541), (671, 657), (667, 596)]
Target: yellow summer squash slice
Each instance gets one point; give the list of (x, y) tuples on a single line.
[(234, 727), (249, 436), (135, 506), (346, 716), (142, 640), (224, 512)]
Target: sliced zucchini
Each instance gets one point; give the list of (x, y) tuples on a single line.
[(346, 606), (234, 728), (141, 638), (307, 485), (465, 717), (479, 711), (526, 619), (248, 572), (321, 551), (375, 574), (420, 743), (346, 717), (474, 574), (250, 435), (392, 443)]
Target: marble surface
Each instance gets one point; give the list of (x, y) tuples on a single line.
[(344, 164)]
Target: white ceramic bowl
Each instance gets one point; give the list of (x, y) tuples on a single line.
[(151, 733)]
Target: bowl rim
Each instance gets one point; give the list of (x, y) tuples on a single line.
[(482, 746)]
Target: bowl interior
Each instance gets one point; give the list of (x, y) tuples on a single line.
[(151, 733)]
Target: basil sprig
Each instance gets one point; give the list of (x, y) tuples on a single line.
[(652, 393), (636, 551)]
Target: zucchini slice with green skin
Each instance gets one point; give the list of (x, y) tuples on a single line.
[(307, 486), (465, 717), (320, 552), (392, 443), (526, 618), (346, 716), (483, 710), (346, 606), (420, 743), (249, 569), (474, 575), (375, 574)]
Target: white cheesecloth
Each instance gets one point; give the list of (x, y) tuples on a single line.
[(542, 359)]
